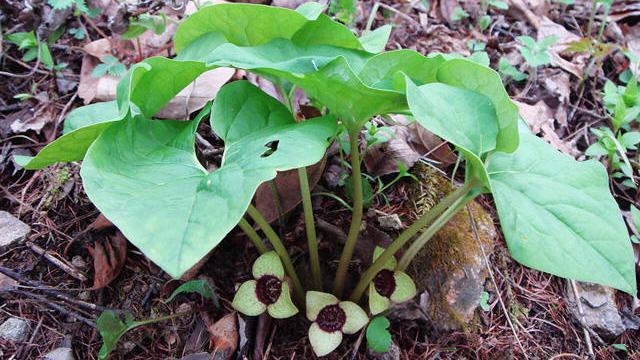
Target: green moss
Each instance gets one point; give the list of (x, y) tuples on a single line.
[(451, 252)]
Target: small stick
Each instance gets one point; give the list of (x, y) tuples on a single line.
[(401, 14), (69, 269), (587, 338), (30, 342), (50, 291), (57, 307), (495, 284)]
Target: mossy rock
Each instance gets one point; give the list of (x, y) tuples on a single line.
[(450, 269)]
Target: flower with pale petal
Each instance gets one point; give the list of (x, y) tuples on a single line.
[(390, 286), (267, 292), (330, 319)]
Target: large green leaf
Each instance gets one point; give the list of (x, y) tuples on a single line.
[(90, 115), (462, 117), (387, 70), (326, 73), (481, 79), (143, 174), (251, 25), (82, 126), (558, 215)]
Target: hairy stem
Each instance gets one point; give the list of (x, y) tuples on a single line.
[(310, 226), (432, 230), (253, 236), (424, 220), (278, 246), (356, 216)]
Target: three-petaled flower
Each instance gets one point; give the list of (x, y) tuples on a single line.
[(389, 286), (331, 318), (267, 292)]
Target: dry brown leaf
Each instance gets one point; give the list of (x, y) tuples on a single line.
[(109, 258), (520, 9), (621, 10), (288, 189), (100, 223), (540, 118), (407, 146), (34, 121), (549, 28), (224, 336), (197, 94), (558, 85)]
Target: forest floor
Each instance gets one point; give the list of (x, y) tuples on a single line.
[(526, 314)]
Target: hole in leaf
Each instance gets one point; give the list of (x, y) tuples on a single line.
[(271, 146)]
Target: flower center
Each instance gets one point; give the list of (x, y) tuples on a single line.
[(385, 283), (331, 318), (268, 289)]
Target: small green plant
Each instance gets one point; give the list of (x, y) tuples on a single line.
[(144, 23), (507, 70), (32, 48), (458, 14), (110, 65), (77, 33), (557, 215), (113, 325), (378, 335), (80, 7), (623, 106), (536, 53)]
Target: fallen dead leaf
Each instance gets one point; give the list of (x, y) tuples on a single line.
[(195, 96), (558, 84), (288, 189), (549, 28), (224, 336), (407, 146), (109, 258), (540, 118), (100, 223)]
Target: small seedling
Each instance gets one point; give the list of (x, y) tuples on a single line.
[(144, 23), (32, 48), (378, 335), (110, 65), (536, 53), (508, 70), (458, 14), (77, 33)]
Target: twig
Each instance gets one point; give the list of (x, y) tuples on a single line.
[(69, 269), (30, 342), (57, 307), (495, 284), (587, 338), (50, 291), (401, 14)]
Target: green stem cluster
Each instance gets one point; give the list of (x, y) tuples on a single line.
[(356, 215)]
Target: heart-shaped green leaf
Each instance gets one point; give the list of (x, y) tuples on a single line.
[(378, 335), (464, 118), (251, 25), (143, 174), (481, 79), (558, 215)]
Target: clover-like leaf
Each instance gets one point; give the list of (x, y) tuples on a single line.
[(155, 190), (378, 335), (558, 215), (200, 286)]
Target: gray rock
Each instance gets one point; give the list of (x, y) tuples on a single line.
[(7, 283), (14, 329), (61, 353), (450, 271), (390, 222), (392, 354), (12, 230), (599, 307)]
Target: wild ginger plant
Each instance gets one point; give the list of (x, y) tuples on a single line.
[(557, 215)]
